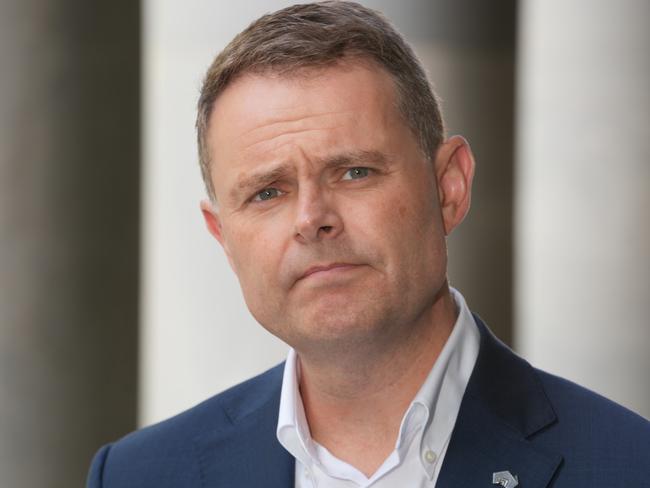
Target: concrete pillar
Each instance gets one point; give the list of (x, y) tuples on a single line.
[(198, 337), (69, 166), (583, 194)]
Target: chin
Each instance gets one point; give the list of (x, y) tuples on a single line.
[(338, 328)]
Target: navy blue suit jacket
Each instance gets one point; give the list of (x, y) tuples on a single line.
[(546, 430)]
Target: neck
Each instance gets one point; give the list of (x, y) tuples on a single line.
[(354, 404)]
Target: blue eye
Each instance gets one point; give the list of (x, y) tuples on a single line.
[(266, 194), (356, 173)]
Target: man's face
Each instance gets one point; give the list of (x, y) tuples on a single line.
[(328, 211)]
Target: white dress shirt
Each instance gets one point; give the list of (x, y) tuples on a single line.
[(424, 432)]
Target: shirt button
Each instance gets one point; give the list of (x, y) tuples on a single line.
[(309, 478), (430, 457)]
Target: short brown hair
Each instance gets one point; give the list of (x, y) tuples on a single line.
[(319, 35)]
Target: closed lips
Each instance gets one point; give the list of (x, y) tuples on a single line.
[(316, 269)]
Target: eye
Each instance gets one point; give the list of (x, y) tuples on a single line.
[(356, 173), (266, 194)]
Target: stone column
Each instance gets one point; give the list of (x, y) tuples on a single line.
[(583, 194), (69, 179)]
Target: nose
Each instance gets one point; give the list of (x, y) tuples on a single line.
[(316, 217)]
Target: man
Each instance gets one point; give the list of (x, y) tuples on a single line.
[(332, 190)]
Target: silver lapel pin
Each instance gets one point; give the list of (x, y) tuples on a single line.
[(505, 479)]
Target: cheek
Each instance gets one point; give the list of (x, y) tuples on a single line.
[(254, 253), (384, 229), (256, 264), (416, 228), (408, 211)]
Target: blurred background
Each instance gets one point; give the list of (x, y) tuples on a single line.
[(117, 309)]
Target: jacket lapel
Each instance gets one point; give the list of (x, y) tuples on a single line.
[(244, 451), (503, 407)]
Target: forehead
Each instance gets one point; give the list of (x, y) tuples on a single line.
[(261, 116)]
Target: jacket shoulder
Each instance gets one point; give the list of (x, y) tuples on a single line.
[(597, 442), (578, 406), (599, 439), (163, 454)]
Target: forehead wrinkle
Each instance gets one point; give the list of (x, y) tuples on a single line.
[(279, 126), (288, 120), (250, 146)]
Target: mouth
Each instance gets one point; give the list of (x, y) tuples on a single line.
[(329, 270)]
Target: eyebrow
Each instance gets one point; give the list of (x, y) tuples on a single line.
[(247, 183)]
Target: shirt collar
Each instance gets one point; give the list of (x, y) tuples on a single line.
[(441, 393), (431, 415), (293, 429)]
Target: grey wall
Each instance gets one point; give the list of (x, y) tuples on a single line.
[(69, 177)]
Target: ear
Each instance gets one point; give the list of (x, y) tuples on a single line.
[(454, 168), (213, 223)]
